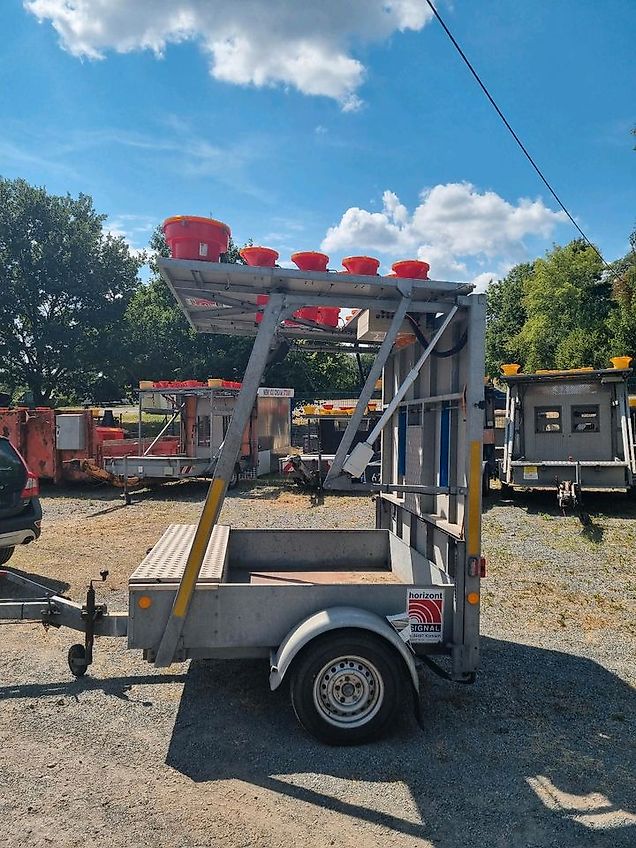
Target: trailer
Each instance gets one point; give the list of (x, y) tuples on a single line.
[(341, 614), (569, 431), (324, 426), (197, 416)]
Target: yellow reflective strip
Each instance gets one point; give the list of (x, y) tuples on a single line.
[(198, 549), (474, 499)]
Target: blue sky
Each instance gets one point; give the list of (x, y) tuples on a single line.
[(351, 125)]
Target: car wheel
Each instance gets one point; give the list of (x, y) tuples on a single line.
[(6, 554), (347, 686)]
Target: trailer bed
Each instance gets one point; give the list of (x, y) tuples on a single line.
[(254, 585)]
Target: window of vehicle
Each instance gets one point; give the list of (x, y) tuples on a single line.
[(547, 419), (585, 419)]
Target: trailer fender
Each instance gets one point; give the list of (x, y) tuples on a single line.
[(336, 618)]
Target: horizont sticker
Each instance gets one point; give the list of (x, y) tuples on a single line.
[(425, 610)]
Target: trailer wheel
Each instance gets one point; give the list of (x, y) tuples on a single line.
[(6, 554), (346, 687), (77, 660), (234, 478)]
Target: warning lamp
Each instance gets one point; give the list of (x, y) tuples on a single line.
[(472, 598), (144, 601), (413, 269), (193, 237), (621, 363), (362, 265), (257, 256)]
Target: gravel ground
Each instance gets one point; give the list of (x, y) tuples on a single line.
[(539, 752)]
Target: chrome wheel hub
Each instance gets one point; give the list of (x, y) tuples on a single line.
[(348, 691)]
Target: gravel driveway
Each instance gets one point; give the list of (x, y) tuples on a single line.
[(539, 752)]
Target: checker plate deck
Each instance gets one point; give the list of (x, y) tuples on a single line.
[(167, 560)]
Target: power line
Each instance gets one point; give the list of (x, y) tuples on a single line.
[(513, 133)]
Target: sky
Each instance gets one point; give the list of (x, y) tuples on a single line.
[(350, 126)]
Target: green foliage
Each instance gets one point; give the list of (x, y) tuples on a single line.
[(316, 372), (622, 321), (505, 316), (64, 287), (564, 310), (567, 303)]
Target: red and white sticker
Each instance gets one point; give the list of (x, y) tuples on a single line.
[(425, 610)]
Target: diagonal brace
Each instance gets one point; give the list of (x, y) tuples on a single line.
[(363, 451), (367, 390), (222, 475)]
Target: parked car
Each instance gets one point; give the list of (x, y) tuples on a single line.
[(20, 510)]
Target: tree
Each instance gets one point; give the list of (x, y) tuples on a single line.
[(622, 321), (505, 316), (161, 344), (64, 287), (567, 299)]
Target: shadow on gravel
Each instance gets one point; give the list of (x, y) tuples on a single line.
[(535, 502), (117, 687), (11, 590), (538, 753)]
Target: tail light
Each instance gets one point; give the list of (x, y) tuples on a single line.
[(32, 487), (477, 566)]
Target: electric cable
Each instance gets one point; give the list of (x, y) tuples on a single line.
[(513, 133)]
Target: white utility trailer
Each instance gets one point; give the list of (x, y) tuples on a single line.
[(200, 415), (342, 614), (570, 431)]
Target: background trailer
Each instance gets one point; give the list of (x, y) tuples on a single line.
[(197, 419), (569, 427), (323, 428)]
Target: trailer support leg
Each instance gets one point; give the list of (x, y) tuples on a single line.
[(222, 475)]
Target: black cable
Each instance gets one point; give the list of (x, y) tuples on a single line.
[(513, 133), (439, 354)]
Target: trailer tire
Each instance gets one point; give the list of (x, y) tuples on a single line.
[(77, 660), (6, 554), (234, 478), (346, 687)]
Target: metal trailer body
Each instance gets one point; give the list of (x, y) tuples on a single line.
[(568, 427), (342, 613), (200, 416), (429, 503)]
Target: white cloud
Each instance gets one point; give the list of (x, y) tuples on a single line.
[(301, 43), (453, 228), (133, 229), (483, 280)]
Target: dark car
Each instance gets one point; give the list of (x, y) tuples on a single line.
[(20, 510)]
